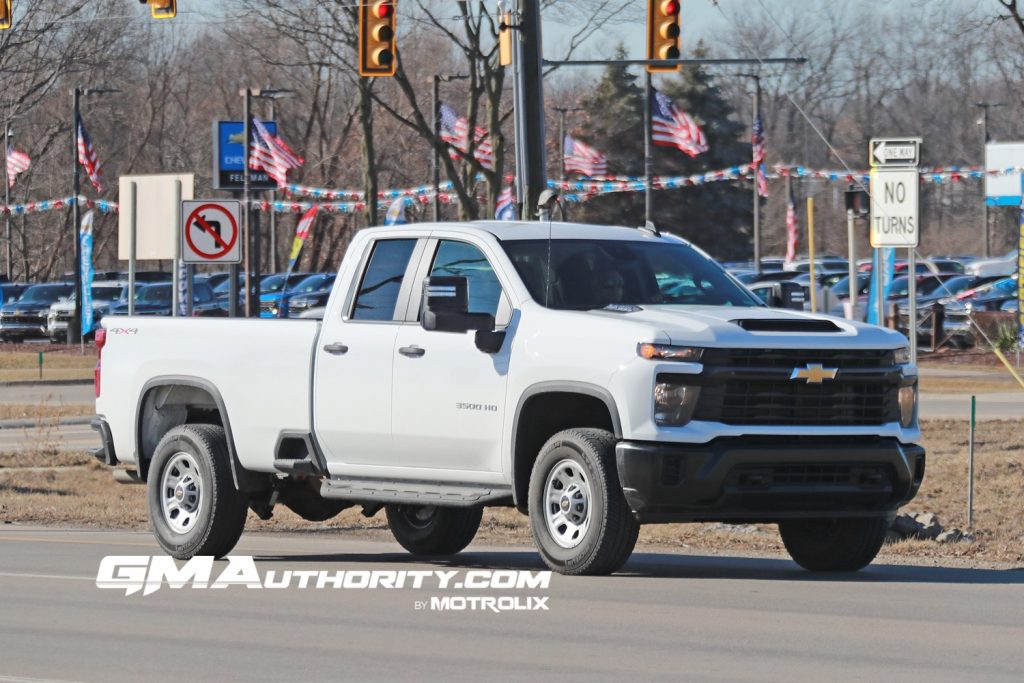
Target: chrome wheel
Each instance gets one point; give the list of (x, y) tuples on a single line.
[(181, 492), (567, 503)]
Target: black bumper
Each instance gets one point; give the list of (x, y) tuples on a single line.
[(764, 479), (105, 453)]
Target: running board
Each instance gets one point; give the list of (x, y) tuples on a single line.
[(415, 492)]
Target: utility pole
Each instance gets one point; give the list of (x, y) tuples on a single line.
[(648, 162), (985, 106), (534, 175), (246, 199)]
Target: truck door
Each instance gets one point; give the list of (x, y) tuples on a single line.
[(355, 354), (449, 397)]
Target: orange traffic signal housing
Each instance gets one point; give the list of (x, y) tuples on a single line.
[(662, 33), (377, 38), (6, 14), (162, 9)]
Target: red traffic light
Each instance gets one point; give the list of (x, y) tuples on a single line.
[(383, 9), (670, 8)]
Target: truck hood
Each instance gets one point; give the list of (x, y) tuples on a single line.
[(724, 326)]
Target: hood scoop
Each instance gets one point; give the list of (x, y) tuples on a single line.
[(786, 325)]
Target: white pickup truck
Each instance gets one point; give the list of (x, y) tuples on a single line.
[(596, 378)]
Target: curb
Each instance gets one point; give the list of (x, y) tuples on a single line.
[(44, 421), (46, 383)]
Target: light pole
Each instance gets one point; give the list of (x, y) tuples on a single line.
[(7, 198), (273, 94), (75, 326), (756, 229), (561, 134), (985, 106), (435, 161)]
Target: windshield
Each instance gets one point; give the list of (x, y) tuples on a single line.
[(589, 274), (275, 283), (106, 292), (154, 294), (45, 294)]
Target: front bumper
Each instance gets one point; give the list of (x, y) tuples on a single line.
[(764, 479), (23, 329)]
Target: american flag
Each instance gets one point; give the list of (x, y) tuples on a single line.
[(505, 209), (583, 159), (757, 144), (270, 153), (17, 162), (792, 229), (455, 131), (87, 157), (671, 127)]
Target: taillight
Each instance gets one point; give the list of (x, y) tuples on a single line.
[(101, 339)]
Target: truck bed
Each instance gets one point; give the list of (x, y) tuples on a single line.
[(261, 369)]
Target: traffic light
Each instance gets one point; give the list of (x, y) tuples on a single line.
[(162, 9), (377, 38), (662, 33), (6, 14)]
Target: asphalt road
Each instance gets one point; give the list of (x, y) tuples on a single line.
[(668, 617)]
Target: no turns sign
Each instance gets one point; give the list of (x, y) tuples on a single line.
[(210, 231), (894, 208)]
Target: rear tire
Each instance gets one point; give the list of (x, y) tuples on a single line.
[(581, 521), (194, 506), (834, 545), (431, 530)]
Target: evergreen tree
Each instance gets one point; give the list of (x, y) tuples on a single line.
[(716, 216)]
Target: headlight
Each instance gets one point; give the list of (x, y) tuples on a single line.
[(666, 352), (908, 404), (902, 356), (674, 403)]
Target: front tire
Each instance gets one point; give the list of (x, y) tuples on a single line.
[(834, 545), (431, 530), (580, 519), (194, 506)]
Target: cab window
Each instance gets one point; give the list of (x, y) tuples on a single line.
[(459, 259), (382, 280)]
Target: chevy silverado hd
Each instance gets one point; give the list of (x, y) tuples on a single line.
[(596, 378)]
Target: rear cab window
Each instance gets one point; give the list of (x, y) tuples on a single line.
[(380, 286)]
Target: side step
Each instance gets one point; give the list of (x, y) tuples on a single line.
[(415, 492)]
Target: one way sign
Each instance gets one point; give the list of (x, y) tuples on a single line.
[(894, 152)]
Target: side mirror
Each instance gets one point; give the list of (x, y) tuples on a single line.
[(446, 307), (787, 295)]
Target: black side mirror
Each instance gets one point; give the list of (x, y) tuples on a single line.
[(788, 295), (446, 307)]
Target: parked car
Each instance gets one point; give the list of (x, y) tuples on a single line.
[(26, 317), (10, 291), (311, 292), (61, 313), (1004, 265), (155, 299), (273, 287)]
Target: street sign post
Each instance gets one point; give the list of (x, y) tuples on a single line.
[(210, 231)]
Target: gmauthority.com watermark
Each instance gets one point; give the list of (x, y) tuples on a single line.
[(149, 573)]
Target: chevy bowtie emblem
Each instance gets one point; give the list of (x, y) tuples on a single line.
[(814, 373)]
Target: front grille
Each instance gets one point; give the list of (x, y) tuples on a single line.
[(791, 358), (64, 317), (24, 319), (754, 477), (795, 402), (268, 306)]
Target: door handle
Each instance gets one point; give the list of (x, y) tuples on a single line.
[(412, 351), (336, 348)]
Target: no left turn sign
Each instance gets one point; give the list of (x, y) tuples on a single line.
[(210, 231)]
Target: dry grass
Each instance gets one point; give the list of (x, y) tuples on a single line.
[(76, 490), (59, 362), (970, 385)]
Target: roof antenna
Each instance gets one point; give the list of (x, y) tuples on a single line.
[(649, 227), (545, 207)]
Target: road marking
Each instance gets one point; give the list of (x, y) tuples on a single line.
[(38, 539), (61, 577)]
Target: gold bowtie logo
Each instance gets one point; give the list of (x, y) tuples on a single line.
[(814, 373)]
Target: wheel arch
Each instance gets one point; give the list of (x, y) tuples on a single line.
[(579, 404), (174, 400)]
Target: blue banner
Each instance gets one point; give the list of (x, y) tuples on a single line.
[(85, 235), (882, 270)]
